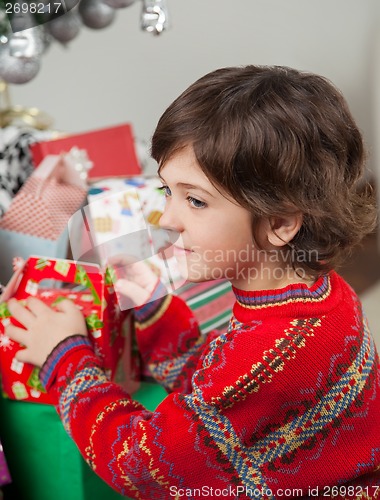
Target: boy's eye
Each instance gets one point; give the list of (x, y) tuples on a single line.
[(166, 190), (193, 201), (196, 203)]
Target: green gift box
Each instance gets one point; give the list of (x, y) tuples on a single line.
[(44, 462)]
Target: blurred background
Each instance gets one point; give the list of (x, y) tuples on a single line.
[(122, 73)]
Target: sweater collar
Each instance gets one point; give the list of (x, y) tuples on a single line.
[(291, 294)]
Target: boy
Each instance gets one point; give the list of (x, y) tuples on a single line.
[(262, 168)]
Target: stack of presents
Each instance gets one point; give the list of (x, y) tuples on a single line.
[(79, 202)]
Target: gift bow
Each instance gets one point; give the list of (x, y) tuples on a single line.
[(80, 161)]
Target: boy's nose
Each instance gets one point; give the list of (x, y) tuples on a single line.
[(171, 218)]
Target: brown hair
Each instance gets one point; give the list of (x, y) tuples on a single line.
[(278, 140)]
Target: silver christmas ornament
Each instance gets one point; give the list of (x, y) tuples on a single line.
[(119, 4), (65, 28), (95, 14), (25, 37), (154, 16), (20, 20), (17, 69), (28, 43)]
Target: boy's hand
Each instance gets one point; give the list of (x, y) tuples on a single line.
[(136, 281), (45, 327)]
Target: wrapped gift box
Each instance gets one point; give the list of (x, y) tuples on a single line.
[(112, 150), (36, 220), (43, 461), (91, 289), (121, 218), (15, 163)]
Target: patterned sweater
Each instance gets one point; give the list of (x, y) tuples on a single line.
[(286, 403)]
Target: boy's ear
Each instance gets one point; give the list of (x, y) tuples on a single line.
[(283, 229)]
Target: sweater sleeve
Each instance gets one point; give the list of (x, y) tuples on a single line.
[(169, 340), (140, 454)]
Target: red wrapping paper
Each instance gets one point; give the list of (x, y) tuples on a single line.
[(109, 328)]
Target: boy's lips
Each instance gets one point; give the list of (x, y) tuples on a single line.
[(180, 250)]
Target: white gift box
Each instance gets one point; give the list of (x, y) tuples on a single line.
[(121, 218)]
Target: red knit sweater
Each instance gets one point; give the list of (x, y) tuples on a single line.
[(285, 404)]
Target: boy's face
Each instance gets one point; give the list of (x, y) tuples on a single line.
[(215, 236)]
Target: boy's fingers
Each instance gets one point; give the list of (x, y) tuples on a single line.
[(66, 306), (37, 306), (133, 291), (21, 313), (129, 288), (121, 260), (22, 355), (121, 264), (25, 356), (15, 333)]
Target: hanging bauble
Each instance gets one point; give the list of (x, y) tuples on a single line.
[(65, 28), (28, 43), (95, 14), (154, 16), (119, 4), (17, 69), (20, 20)]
